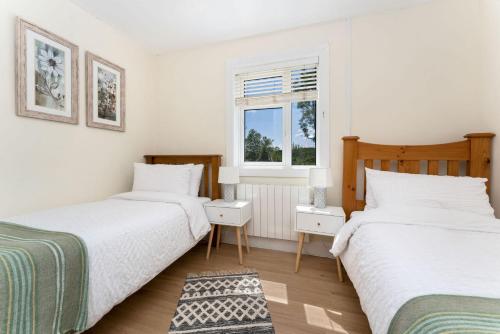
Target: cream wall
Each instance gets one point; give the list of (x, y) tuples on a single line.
[(45, 164), (194, 81), (424, 74), (490, 89), (415, 73), (415, 79), (403, 76)]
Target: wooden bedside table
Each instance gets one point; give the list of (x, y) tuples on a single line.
[(312, 220), (235, 214)]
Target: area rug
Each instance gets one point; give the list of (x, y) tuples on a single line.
[(222, 302)]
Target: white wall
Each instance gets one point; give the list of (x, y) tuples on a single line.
[(45, 164)]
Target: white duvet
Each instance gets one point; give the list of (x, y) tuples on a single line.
[(130, 238), (393, 255)]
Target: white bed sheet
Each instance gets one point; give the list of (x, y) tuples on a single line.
[(128, 241), (203, 200), (394, 255)]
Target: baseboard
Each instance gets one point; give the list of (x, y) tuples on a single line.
[(317, 245)]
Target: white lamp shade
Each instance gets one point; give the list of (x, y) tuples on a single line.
[(229, 175), (320, 177)]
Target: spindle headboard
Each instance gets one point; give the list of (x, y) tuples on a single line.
[(474, 152), (211, 163)]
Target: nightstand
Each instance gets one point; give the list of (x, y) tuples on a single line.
[(325, 222), (234, 214)]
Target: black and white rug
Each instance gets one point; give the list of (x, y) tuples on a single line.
[(222, 302)]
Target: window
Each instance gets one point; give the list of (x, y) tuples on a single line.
[(263, 141), (280, 123)]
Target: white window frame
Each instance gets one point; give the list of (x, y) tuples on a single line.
[(235, 114)]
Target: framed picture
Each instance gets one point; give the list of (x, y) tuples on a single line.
[(105, 94), (46, 75)]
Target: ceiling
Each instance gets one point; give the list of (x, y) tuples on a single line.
[(163, 25)]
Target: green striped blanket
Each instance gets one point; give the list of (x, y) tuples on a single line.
[(43, 281), (439, 314)]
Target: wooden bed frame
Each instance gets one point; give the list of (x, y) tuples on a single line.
[(475, 151), (210, 183)]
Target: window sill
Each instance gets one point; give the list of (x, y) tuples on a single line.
[(275, 171)]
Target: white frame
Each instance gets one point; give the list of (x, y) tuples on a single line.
[(234, 121)]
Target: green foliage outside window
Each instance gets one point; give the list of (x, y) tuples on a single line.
[(259, 148)]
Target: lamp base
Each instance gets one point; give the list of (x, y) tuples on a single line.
[(229, 192), (320, 198)]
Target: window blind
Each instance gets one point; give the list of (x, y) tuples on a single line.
[(278, 85)]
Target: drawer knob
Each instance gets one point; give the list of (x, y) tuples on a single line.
[(221, 215), (319, 224)]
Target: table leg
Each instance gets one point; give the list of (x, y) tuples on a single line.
[(340, 275), (212, 227), (245, 234), (238, 238), (299, 250), (219, 231)]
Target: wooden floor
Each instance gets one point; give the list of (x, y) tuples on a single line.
[(312, 301)]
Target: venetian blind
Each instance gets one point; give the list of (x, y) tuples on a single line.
[(277, 85)]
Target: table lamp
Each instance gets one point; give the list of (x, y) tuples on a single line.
[(228, 177), (320, 179)]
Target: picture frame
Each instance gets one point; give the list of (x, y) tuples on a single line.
[(46, 74), (105, 93)]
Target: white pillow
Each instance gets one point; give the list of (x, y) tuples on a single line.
[(196, 172), (448, 192), (165, 178), (369, 197)]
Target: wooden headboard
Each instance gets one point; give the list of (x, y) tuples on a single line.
[(210, 185), (474, 152)]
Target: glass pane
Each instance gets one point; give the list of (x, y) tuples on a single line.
[(264, 135), (304, 133)]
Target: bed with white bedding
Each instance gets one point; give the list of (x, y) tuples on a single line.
[(397, 254), (423, 255), (130, 238), (63, 269)]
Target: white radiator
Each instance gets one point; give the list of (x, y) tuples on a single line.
[(273, 208)]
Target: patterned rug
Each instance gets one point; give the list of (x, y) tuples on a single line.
[(222, 302)]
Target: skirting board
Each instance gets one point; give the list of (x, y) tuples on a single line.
[(317, 245)]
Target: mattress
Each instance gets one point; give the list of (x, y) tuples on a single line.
[(129, 242), (392, 256)]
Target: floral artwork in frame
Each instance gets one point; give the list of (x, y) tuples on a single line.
[(105, 94), (47, 75)]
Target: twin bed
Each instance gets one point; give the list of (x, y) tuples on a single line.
[(426, 261), (128, 239)]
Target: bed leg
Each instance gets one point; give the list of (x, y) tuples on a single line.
[(340, 274)]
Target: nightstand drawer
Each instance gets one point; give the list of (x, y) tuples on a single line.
[(319, 223), (223, 215)]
